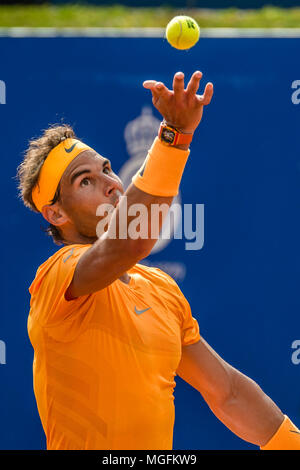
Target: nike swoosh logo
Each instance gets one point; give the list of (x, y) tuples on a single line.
[(138, 312), (70, 254), (69, 150)]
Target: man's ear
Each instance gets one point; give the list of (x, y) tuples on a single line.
[(55, 215)]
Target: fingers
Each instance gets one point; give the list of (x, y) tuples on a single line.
[(149, 84), (158, 89), (207, 95), (178, 84), (193, 84)]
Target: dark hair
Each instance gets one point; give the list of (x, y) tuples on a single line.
[(29, 169)]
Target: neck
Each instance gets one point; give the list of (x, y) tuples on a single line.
[(77, 238), (80, 240)]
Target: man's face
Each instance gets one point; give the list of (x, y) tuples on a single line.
[(86, 183)]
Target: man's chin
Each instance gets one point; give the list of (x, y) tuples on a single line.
[(103, 223)]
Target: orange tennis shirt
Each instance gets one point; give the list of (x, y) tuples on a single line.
[(104, 363)]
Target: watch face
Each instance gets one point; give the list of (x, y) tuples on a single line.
[(168, 135)]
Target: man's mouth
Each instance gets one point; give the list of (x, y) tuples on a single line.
[(118, 194)]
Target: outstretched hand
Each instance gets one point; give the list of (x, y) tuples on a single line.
[(180, 107)]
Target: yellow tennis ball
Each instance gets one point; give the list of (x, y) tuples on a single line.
[(182, 32)]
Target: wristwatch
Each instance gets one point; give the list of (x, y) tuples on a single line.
[(169, 135)]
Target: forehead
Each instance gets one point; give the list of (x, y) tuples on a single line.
[(88, 158)]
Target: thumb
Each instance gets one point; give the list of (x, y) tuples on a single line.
[(149, 84), (152, 86)]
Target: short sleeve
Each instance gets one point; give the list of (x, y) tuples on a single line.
[(48, 304), (190, 328), (179, 304)]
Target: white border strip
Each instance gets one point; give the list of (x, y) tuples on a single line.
[(81, 32), (147, 32)]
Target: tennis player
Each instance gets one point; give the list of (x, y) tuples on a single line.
[(109, 334)]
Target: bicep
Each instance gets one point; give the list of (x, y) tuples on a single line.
[(206, 371), (98, 267)]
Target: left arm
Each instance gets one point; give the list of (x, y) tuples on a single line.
[(234, 398)]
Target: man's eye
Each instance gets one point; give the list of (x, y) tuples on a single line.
[(106, 170), (85, 182)]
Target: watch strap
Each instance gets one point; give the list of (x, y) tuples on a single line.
[(172, 136)]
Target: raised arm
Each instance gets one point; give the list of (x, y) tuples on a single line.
[(111, 256)]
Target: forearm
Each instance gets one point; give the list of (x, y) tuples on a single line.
[(140, 213), (248, 411), (236, 399)]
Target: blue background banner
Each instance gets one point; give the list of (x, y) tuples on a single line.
[(243, 285)]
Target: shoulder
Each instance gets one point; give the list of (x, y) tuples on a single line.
[(155, 274), (66, 252), (61, 261), (167, 289), (160, 279)]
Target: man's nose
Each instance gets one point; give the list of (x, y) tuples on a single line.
[(112, 186)]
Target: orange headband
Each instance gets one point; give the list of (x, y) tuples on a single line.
[(53, 168)]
